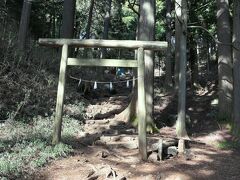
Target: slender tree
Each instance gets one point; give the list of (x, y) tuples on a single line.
[(182, 17), (68, 18), (89, 24), (86, 52), (168, 79), (53, 20), (177, 40), (193, 59), (236, 66), (24, 24), (106, 25), (193, 37), (224, 59)]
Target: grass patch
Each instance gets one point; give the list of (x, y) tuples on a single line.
[(24, 147), (229, 145)]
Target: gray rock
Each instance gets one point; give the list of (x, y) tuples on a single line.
[(122, 178), (188, 154), (105, 138), (127, 138), (153, 157), (172, 150), (100, 143), (131, 145)]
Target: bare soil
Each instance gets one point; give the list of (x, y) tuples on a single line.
[(108, 149)]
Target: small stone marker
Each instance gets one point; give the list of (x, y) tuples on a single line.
[(165, 144), (181, 146), (160, 149)]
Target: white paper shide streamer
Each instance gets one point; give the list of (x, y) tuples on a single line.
[(134, 81), (103, 82), (79, 83), (111, 86), (95, 85), (128, 84)]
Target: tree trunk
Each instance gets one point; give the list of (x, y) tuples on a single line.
[(147, 33), (208, 58), (86, 52), (130, 113), (168, 78), (193, 60), (24, 24), (177, 44), (181, 124), (224, 60), (68, 19), (89, 24), (236, 67), (106, 24), (54, 23)]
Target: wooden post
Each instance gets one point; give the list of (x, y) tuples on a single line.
[(60, 96), (142, 137), (181, 146)]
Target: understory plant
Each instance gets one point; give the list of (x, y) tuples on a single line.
[(26, 147)]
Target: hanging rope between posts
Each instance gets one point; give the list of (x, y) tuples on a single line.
[(105, 82)]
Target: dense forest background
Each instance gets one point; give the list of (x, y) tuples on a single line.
[(46, 21), (202, 61)]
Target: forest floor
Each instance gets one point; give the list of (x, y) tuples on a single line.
[(97, 143), (107, 148)]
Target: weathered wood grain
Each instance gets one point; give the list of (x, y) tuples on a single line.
[(142, 136), (60, 96), (89, 43), (102, 62)]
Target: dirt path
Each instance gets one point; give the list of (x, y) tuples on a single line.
[(108, 149), (208, 163)]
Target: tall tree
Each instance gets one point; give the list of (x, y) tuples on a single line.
[(68, 18), (88, 32), (106, 24), (89, 24), (130, 113), (193, 64), (24, 24), (177, 40), (182, 17), (224, 59), (147, 33), (168, 79), (193, 37), (236, 66)]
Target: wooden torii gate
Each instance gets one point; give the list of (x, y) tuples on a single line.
[(139, 64)]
